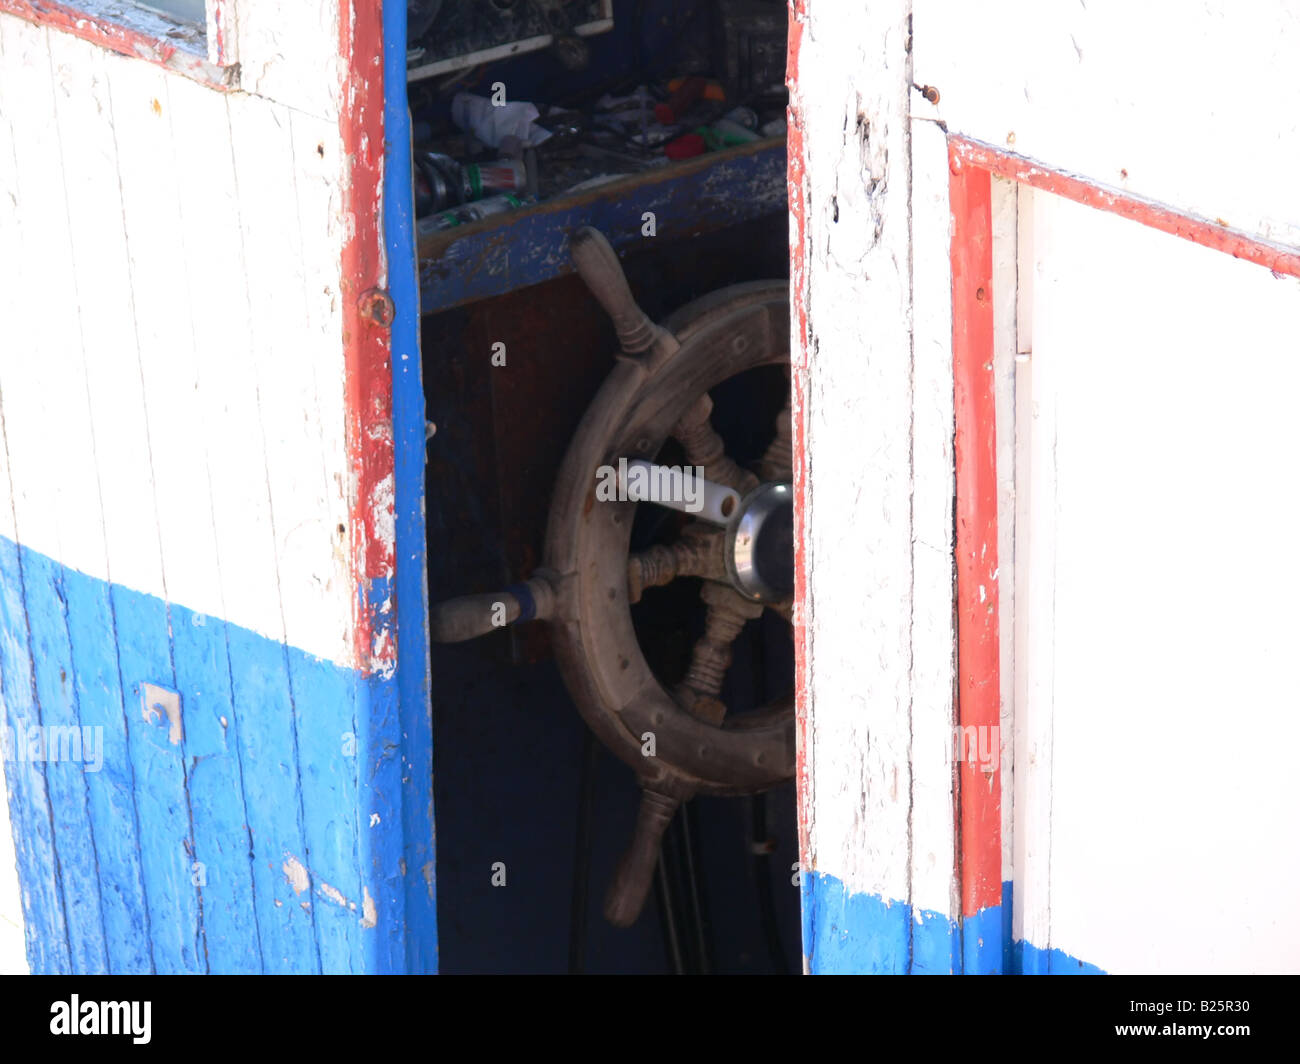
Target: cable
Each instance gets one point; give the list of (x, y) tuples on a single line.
[(582, 854), (762, 848), (699, 920), (668, 918)]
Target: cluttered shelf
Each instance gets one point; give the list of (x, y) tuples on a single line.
[(648, 119), (529, 245)]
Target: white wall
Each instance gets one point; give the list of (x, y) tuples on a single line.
[(194, 363), (1193, 103), (1146, 474), (874, 399), (1163, 513), (1145, 387)]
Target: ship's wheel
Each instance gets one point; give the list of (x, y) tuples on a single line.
[(680, 740)]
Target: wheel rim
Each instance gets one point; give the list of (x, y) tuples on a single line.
[(727, 333)]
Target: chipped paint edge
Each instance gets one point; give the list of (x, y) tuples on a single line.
[(116, 34)]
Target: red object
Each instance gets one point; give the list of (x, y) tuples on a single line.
[(368, 370), (978, 705), (1209, 234), (686, 147), (221, 46), (672, 109)]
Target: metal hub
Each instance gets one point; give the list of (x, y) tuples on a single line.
[(760, 544)]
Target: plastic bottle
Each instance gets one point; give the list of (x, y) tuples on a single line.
[(470, 212), (499, 175)]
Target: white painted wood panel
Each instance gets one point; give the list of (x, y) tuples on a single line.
[(308, 503), (1192, 104), (193, 363), (46, 496), (1004, 210), (288, 53), (151, 178), (1034, 647), (934, 886), (13, 955), (1168, 506), (878, 410)]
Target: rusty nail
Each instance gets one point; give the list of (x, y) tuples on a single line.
[(979, 294), (376, 305), (928, 91)]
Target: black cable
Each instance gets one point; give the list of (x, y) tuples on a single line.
[(763, 882), (699, 919), (668, 917), (582, 854)]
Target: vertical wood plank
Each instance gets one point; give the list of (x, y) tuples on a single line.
[(198, 135), (1005, 296), (167, 208), (852, 405), (262, 177), (94, 214), (975, 448), (934, 886), (28, 801), (1035, 652), (47, 483), (304, 450), (120, 412)]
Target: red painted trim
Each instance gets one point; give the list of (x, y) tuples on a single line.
[(221, 32), (116, 37), (367, 352), (972, 165), (980, 803), (796, 181), (1209, 234)]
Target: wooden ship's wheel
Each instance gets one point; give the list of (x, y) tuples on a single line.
[(739, 542)]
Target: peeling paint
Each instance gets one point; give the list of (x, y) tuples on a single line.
[(296, 874), (334, 894)]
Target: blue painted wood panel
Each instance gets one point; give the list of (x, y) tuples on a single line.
[(411, 589), (29, 800), (271, 838)]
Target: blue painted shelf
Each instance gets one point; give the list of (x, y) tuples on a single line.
[(526, 247)]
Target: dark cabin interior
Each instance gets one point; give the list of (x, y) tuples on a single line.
[(519, 778)]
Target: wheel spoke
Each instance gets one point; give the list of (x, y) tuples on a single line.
[(698, 552), (777, 462), (711, 655), (704, 447)]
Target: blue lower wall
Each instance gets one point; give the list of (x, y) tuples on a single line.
[(269, 840), (846, 933)]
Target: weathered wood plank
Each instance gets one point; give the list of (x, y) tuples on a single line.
[(47, 475), (933, 712), (857, 388)]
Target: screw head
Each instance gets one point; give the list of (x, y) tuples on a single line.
[(376, 306)]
